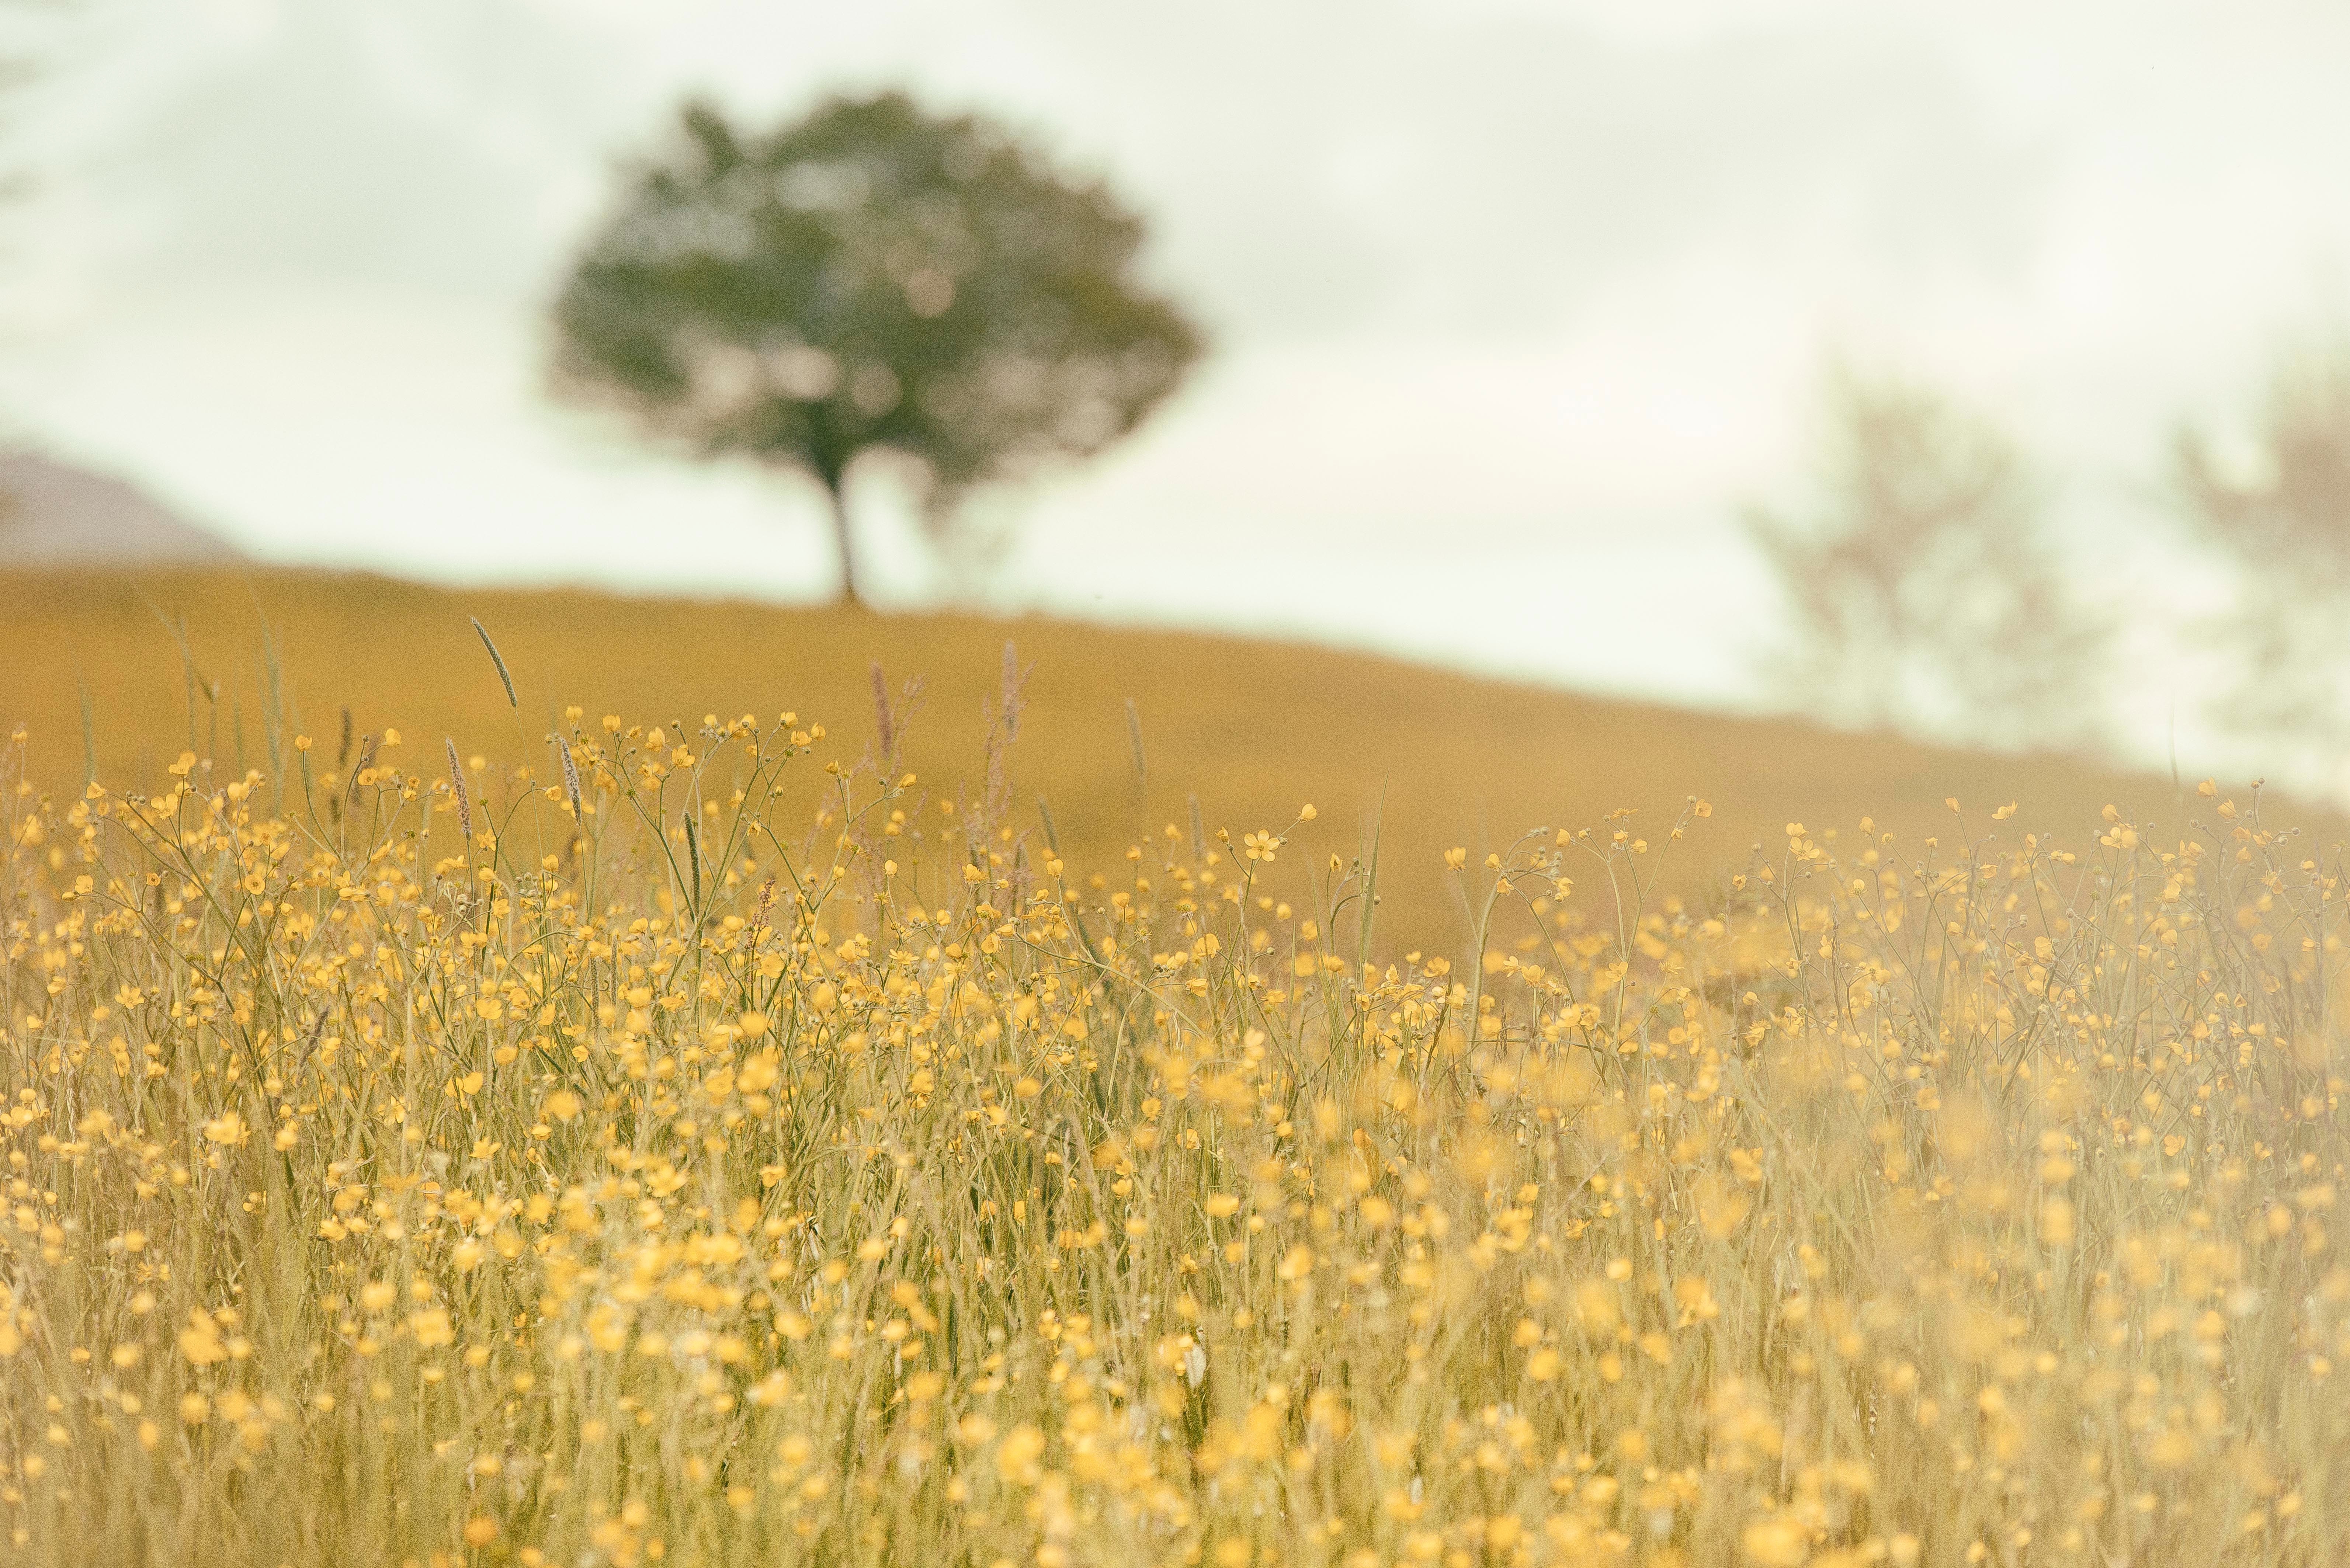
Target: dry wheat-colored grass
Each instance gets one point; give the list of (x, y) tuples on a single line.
[(652, 1160), (1248, 728)]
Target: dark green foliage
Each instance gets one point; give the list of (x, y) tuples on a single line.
[(869, 278)]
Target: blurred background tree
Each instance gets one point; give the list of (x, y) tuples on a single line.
[(1922, 593), (2279, 513), (870, 278)]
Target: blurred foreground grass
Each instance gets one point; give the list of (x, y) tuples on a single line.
[(677, 1175)]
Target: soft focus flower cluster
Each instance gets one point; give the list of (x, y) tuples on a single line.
[(632, 1176)]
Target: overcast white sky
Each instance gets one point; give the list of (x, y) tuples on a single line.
[(1513, 303)]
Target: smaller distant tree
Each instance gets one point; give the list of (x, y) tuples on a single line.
[(1923, 595), (2279, 510), (870, 278)]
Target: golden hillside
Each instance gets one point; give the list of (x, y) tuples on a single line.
[(1253, 728)]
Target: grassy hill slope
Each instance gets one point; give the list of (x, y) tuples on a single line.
[(1253, 728)]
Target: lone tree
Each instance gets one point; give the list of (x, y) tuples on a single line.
[(1924, 597), (2282, 516), (870, 277)]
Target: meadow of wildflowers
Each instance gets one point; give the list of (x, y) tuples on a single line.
[(585, 1157), (1430, 757)]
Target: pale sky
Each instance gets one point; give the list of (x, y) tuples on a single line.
[(1514, 304)]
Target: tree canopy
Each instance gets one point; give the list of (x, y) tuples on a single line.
[(870, 276)]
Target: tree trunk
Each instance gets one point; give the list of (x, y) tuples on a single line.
[(842, 543)]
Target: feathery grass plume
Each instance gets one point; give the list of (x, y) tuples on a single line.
[(1198, 832), (1003, 732), (89, 736), (310, 1043), (1013, 683), (885, 725), (693, 857), (758, 925), (275, 717), (343, 752), (570, 779), (508, 680), (1134, 739), (457, 787)]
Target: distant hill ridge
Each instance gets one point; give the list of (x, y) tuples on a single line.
[(55, 515)]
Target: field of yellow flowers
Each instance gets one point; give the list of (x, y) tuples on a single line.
[(585, 1157), (1423, 758)]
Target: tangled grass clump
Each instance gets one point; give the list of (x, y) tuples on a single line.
[(632, 1176)]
